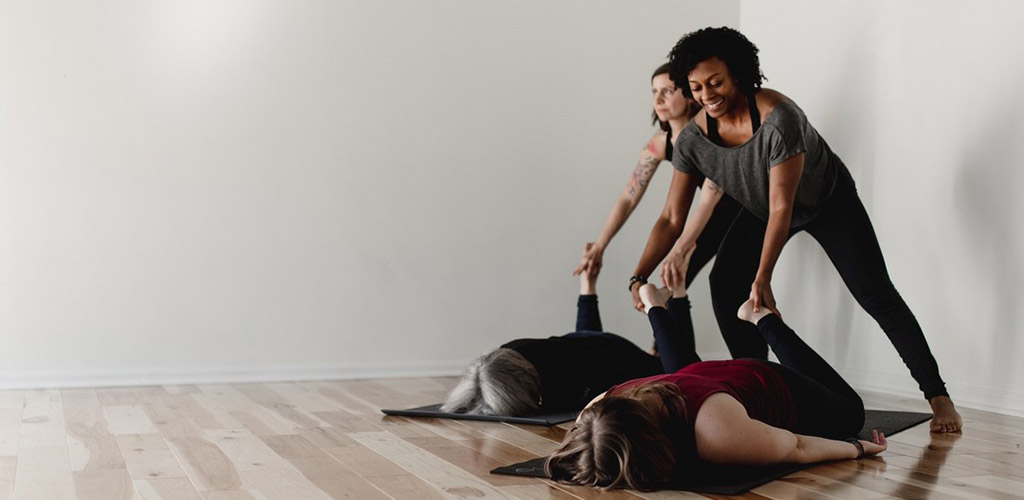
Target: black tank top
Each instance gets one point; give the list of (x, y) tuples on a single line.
[(668, 144), (755, 121)]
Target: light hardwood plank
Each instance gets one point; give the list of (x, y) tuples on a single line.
[(998, 487), (262, 421), (205, 464), (233, 495), (292, 446), (468, 460), (44, 473), (336, 480), (127, 419), (815, 486), (92, 446), (539, 492), (8, 472), (178, 488), (406, 487), (108, 484), (42, 421), (284, 484), (278, 404), (12, 407), (115, 396), (451, 480), (148, 457), (246, 451), (365, 462)]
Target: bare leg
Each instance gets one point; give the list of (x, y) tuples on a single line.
[(588, 284)]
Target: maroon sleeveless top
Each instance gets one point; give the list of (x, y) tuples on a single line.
[(755, 384)]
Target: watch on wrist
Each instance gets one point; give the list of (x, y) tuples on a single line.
[(636, 279)]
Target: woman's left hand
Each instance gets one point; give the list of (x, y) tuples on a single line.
[(877, 444), (761, 294)]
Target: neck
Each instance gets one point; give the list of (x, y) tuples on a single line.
[(677, 125), (738, 115)]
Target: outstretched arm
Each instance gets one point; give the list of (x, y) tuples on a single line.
[(783, 180), (667, 228), (725, 434), (673, 270), (650, 158)]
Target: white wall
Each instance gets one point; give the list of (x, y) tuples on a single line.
[(922, 101), (245, 190), (251, 190)]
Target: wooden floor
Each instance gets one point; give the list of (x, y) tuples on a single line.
[(322, 440)]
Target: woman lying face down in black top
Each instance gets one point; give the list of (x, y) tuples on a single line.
[(528, 376)]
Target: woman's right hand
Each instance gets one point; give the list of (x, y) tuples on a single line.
[(673, 268), (590, 263)]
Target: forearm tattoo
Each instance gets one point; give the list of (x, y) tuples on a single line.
[(642, 174)]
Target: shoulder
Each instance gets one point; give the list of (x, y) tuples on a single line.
[(656, 146), (768, 99), (716, 421), (777, 108), (700, 121)]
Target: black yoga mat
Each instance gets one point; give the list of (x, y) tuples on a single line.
[(434, 411), (734, 480)]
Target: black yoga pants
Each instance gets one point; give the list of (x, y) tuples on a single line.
[(825, 404), (844, 231)]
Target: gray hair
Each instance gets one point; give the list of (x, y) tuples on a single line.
[(500, 382)]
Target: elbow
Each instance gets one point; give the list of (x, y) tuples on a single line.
[(793, 450), (672, 221), (780, 210)]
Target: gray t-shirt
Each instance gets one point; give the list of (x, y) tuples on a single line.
[(742, 171)]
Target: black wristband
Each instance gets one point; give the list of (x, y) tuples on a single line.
[(860, 446), (636, 279)]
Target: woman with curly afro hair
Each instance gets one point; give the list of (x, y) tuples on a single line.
[(757, 146)]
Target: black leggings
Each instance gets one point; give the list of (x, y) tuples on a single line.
[(588, 318), (711, 238), (825, 404), (844, 231)]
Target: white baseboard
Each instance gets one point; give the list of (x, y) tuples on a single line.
[(979, 398), (221, 376)]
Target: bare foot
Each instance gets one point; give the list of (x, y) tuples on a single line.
[(945, 417), (653, 296), (746, 312)]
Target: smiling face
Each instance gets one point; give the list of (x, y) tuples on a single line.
[(668, 101), (714, 87)]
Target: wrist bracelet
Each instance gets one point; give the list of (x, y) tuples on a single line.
[(860, 446), (636, 279)]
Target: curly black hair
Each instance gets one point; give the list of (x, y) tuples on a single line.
[(737, 52)]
